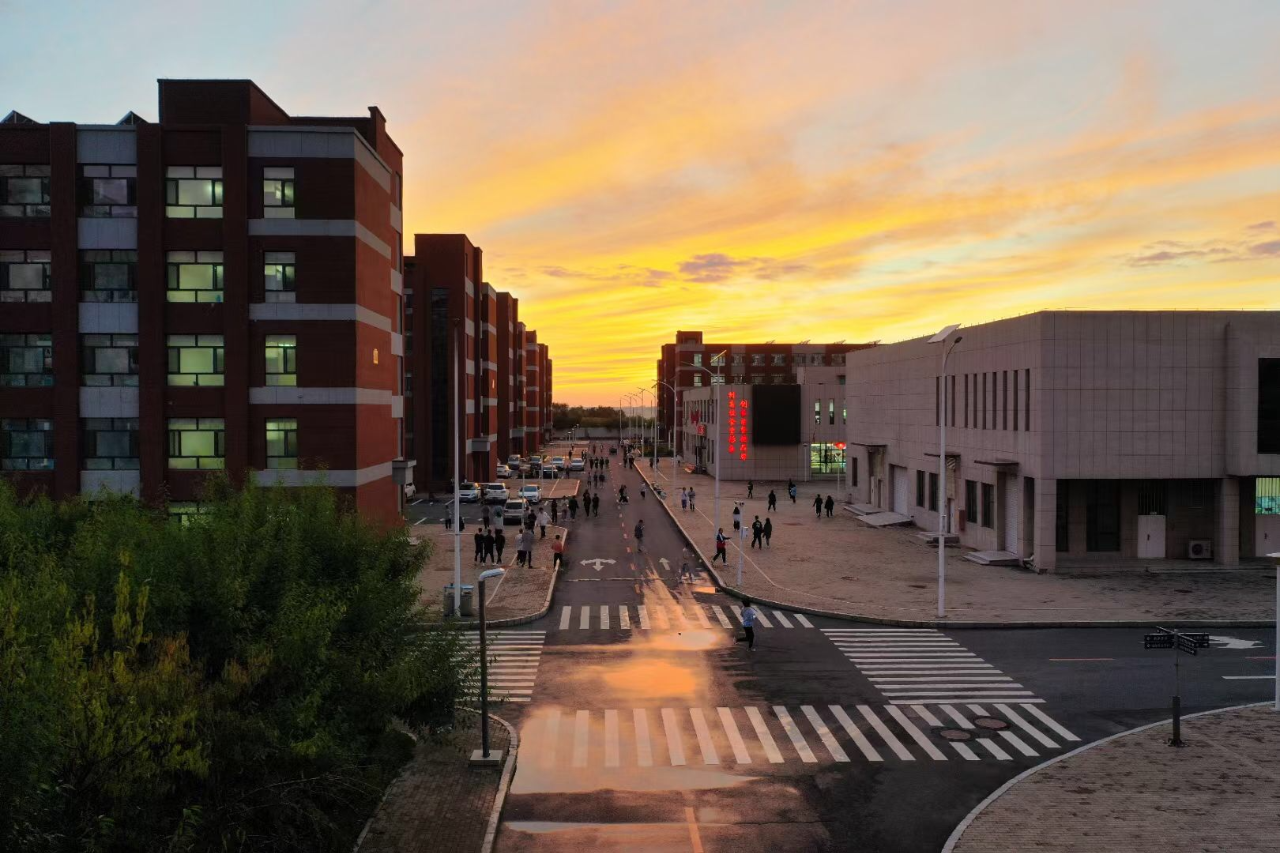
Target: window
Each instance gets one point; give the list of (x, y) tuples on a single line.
[(24, 192), (1102, 515), (1016, 383), (920, 489), (26, 361), (970, 501), (282, 360), (739, 360), (1026, 419), (1062, 518), (937, 401), (825, 460), (279, 276), (817, 412), (737, 379), (757, 379), (837, 358), (108, 275), (197, 443), (844, 413), (778, 359), (110, 444), (109, 360), (717, 360), (1152, 496), (816, 358), (757, 359), (779, 378), (933, 492), (966, 401), (193, 192), (26, 444), (984, 400), (196, 360), (24, 276), (277, 192), (988, 505), (853, 471), (282, 443), (108, 191), (1269, 405), (831, 412), (697, 359), (1266, 496), (184, 512), (951, 401), (697, 380), (194, 276), (717, 379), (1004, 399)]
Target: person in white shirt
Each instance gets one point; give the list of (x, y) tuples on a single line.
[(543, 521), (748, 625)]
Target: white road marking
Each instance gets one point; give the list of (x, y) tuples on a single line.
[(675, 747), (720, 616), (709, 754), (582, 724), (737, 611), (1025, 726), (961, 720), (942, 676), (797, 739), (584, 620), (782, 619), (730, 727), (925, 714), (611, 758), (702, 616), (1249, 677), (552, 735), (1050, 722), (994, 748), (762, 619), (1018, 743), (886, 735), (918, 736), (604, 616), (859, 739), (959, 700), (762, 732), (824, 734), (644, 749), (803, 621), (565, 614), (624, 617), (644, 617), (976, 690)]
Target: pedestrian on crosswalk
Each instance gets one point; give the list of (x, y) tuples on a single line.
[(721, 553), (830, 505), (595, 504), (757, 530), (767, 530), (773, 502), (748, 625), (557, 553), (639, 531), (499, 543), (685, 568)]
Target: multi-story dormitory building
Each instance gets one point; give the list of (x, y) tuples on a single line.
[(222, 289), (459, 326)]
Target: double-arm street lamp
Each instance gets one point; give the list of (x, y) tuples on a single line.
[(718, 361), (943, 514), (671, 437)]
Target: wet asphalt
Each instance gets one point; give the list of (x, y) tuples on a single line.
[(671, 736)]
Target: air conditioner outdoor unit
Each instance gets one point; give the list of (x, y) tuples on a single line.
[(1200, 549)]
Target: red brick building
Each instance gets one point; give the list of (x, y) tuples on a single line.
[(217, 290)]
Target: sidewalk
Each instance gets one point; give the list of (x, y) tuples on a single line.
[(1134, 793), (840, 566)]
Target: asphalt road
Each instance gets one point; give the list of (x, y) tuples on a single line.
[(660, 733)]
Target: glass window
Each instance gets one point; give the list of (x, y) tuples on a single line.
[(282, 360), (24, 191), (933, 492), (971, 501), (697, 380), (108, 191), (24, 276), (282, 443), (826, 460), (739, 360), (920, 489), (815, 358), (110, 444), (279, 276), (197, 443), (988, 505), (779, 378), (184, 512), (1266, 493), (757, 359), (697, 359), (817, 412), (1268, 405), (26, 361), (194, 276), (831, 412), (108, 275), (196, 360), (778, 359), (277, 192), (109, 360), (26, 444), (193, 192), (717, 360), (757, 379), (844, 413), (837, 358), (1102, 515), (717, 379)]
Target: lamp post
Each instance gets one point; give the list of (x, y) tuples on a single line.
[(481, 755), (716, 396), (642, 392), (675, 462), (941, 338)]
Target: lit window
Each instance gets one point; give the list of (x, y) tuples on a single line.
[(279, 276), (282, 360), (197, 443), (831, 412), (194, 276), (24, 276), (739, 360), (779, 359), (26, 361), (697, 359), (24, 192), (108, 191), (184, 512), (717, 360), (282, 443), (815, 358), (779, 378), (110, 444), (757, 360), (196, 360), (697, 380), (108, 275), (193, 192), (277, 192), (817, 411), (717, 379), (26, 444), (110, 360)]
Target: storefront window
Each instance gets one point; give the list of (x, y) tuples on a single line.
[(825, 460)]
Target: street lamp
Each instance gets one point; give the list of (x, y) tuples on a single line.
[(481, 755), (642, 392), (943, 515), (716, 396), (671, 438)]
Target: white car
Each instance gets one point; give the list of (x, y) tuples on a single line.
[(513, 462), (577, 465), (495, 493), (513, 511), (502, 472), (533, 494), (469, 493), (557, 462)]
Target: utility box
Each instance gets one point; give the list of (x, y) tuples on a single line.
[(466, 600), (1151, 545)]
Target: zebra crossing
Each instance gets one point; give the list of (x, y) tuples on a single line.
[(916, 666), (513, 664), (681, 616), (810, 734)]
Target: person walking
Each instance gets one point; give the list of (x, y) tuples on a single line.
[(751, 487), (748, 625), (490, 547), (684, 500), (773, 502), (692, 506), (557, 553), (721, 553), (737, 517), (543, 521), (817, 505), (479, 538), (642, 491), (830, 505), (757, 530), (555, 511), (685, 568), (448, 521), (767, 530), (791, 490), (497, 516), (639, 532), (520, 555), (499, 543), (573, 507), (595, 504), (528, 547), (530, 519)]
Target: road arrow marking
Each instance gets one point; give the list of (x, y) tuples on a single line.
[(1234, 643), (596, 563), (666, 566)]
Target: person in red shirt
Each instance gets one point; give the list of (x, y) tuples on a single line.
[(557, 551)]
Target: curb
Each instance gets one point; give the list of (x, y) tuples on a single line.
[(960, 829), (504, 784), (474, 624), (946, 623)]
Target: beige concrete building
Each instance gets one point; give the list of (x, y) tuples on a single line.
[(1079, 438)]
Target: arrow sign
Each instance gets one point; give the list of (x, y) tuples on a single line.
[(666, 566), (1234, 643), (597, 563)]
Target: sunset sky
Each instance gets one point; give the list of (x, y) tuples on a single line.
[(771, 170)]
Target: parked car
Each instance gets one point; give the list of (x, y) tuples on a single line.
[(531, 493), (513, 511), (557, 462), (577, 465), (502, 472), (495, 493), (550, 473), (513, 461), (469, 493)]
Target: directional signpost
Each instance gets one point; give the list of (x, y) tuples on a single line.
[(1184, 643)]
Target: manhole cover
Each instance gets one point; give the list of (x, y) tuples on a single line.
[(954, 734), (990, 723)]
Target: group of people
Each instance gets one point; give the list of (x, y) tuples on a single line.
[(688, 499)]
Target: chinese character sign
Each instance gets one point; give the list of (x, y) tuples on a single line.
[(738, 434)]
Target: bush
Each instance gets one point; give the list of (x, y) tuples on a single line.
[(230, 683)]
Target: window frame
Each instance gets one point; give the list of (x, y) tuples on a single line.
[(26, 257), (176, 261), (39, 172), (285, 377), (176, 345), (26, 342), (286, 207), (177, 427), (288, 427), (89, 174), (9, 427), (177, 180), (91, 428), (89, 280), (989, 506), (287, 265), (91, 344), (971, 501)]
